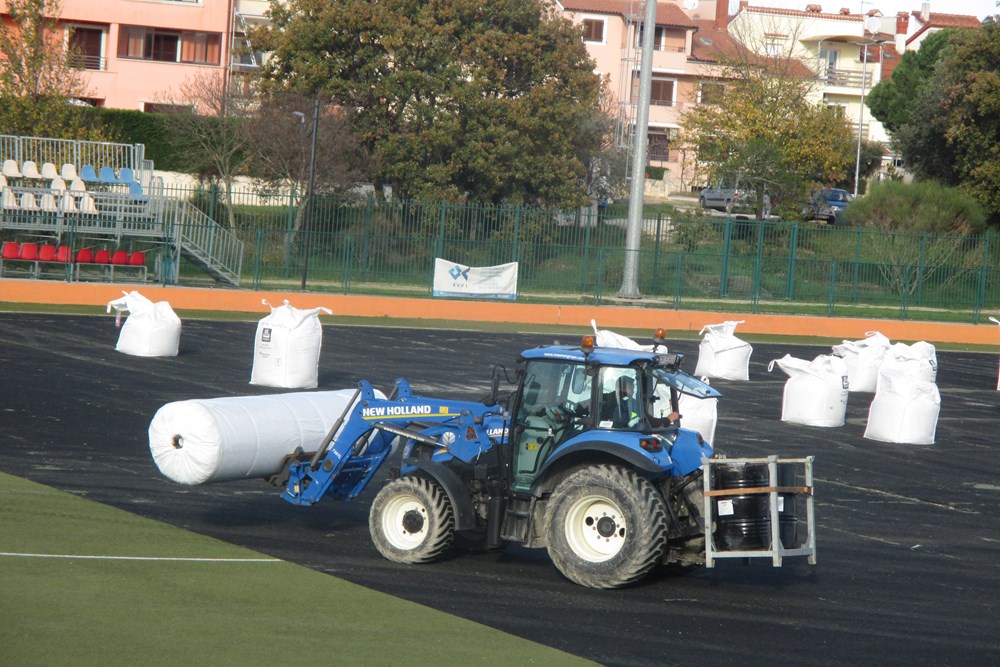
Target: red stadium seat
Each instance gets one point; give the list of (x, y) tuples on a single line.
[(85, 256), (11, 250), (47, 253), (29, 251), (102, 256), (137, 258), (64, 254), (120, 257)]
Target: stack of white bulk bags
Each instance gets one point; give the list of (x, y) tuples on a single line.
[(286, 348), (863, 359), (816, 391), (150, 329), (242, 437), (721, 354)]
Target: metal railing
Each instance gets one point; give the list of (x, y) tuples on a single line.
[(691, 261)]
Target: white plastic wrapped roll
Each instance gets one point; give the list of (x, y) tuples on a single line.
[(242, 437)]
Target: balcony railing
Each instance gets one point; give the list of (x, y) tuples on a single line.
[(83, 61), (846, 78)]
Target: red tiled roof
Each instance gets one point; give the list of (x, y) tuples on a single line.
[(798, 12), (936, 20), (710, 44), (890, 58), (941, 21), (666, 14)]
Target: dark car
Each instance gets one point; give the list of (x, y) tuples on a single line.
[(827, 205)]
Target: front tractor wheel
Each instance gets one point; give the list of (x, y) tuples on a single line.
[(606, 526), (411, 521)]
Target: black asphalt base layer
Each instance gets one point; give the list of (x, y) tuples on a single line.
[(908, 535)]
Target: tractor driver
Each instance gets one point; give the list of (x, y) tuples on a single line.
[(621, 406)]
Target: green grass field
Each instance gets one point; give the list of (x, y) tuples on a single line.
[(86, 584)]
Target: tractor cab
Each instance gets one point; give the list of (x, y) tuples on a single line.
[(583, 396)]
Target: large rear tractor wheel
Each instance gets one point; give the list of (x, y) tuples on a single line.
[(411, 521), (606, 526)]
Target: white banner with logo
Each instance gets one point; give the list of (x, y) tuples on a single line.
[(479, 282)]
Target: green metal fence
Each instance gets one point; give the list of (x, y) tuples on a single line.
[(686, 260)]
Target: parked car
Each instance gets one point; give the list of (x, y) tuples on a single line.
[(827, 205), (723, 199)]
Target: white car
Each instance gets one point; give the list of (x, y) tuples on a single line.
[(720, 198)]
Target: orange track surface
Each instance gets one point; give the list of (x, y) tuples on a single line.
[(607, 317)]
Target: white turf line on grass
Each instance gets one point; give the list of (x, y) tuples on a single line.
[(165, 558)]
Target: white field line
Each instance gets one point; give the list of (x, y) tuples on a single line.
[(151, 558)]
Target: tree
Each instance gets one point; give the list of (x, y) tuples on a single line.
[(766, 133), (953, 135), (457, 99), (893, 101), (38, 83), (211, 129), (939, 218), (280, 130)]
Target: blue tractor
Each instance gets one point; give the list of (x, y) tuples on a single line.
[(585, 458)]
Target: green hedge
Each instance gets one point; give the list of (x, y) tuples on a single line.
[(150, 129)]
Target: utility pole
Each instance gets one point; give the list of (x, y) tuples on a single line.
[(306, 231), (633, 235)]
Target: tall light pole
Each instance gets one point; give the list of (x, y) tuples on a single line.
[(861, 115), (633, 233), (307, 218)]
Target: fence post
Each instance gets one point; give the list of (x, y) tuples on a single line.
[(856, 283), (258, 260), (904, 304), (983, 281), (727, 233), (678, 278), (758, 268), (212, 194), (517, 234), (586, 249), (439, 242), (347, 263), (656, 253), (598, 279), (831, 298), (290, 230), (921, 260), (793, 246)]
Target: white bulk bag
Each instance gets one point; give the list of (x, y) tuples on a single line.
[(286, 348), (241, 437), (721, 354), (150, 329), (863, 359), (607, 338), (699, 414), (905, 409), (919, 360), (816, 391)]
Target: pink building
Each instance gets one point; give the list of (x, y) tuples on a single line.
[(685, 53), (139, 53)]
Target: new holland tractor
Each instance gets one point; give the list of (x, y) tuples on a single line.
[(585, 458)]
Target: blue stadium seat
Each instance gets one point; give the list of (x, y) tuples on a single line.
[(88, 175), (107, 175)]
